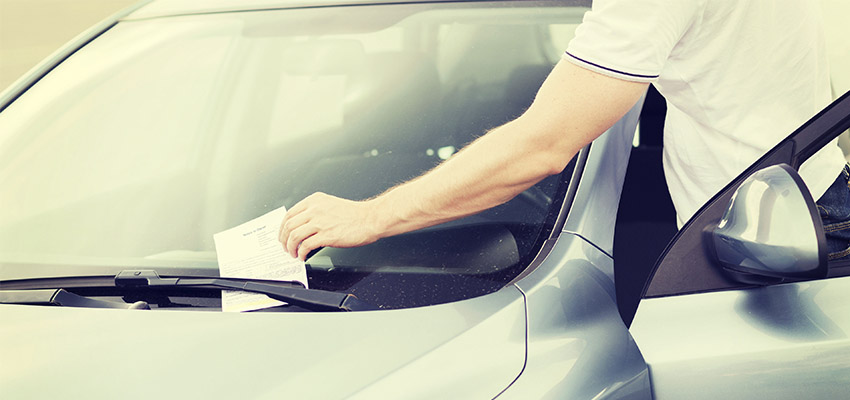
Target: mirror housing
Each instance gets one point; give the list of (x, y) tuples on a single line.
[(771, 231)]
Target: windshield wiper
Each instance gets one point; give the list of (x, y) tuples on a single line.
[(311, 299), (293, 293)]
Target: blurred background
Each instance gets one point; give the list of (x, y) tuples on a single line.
[(31, 30)]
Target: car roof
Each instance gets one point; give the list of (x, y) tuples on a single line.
[(165, 8)]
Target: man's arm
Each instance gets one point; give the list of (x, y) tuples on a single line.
[(573, 107)]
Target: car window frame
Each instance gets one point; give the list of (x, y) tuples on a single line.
[(685, 266)]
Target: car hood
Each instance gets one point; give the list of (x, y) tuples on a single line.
[(472, 348)]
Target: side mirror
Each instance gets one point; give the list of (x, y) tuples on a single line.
[(771, 232)]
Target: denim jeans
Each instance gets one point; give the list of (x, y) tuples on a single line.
[(834, 208)]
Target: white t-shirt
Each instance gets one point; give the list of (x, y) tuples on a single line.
[(738, 76)]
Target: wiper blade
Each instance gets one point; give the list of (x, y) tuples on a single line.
[(290, 292), (311, 299)]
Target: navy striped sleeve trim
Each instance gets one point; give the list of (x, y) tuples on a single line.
[(611, 69)]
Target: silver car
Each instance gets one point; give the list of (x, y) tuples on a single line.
[(123, 153)]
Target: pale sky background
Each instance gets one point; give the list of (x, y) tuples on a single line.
[(31, 30)]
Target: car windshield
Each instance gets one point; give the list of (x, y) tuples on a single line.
[(161, 132)]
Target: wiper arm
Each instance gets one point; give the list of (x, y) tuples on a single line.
[(62, 297), (311, 299)]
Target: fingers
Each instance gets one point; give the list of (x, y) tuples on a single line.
[(297, 236), (293, 212), (308, 245), (290, 223), (297, 216), (301, 206), (322, 220), (296, 225)]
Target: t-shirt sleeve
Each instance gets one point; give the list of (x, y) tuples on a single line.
[(631, 39)]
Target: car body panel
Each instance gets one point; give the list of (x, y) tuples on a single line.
[(787, 341), (107, 353), (578, 347)]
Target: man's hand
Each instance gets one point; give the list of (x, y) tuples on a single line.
[(324, 220)]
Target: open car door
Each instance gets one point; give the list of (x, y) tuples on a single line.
[(729, 311)]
